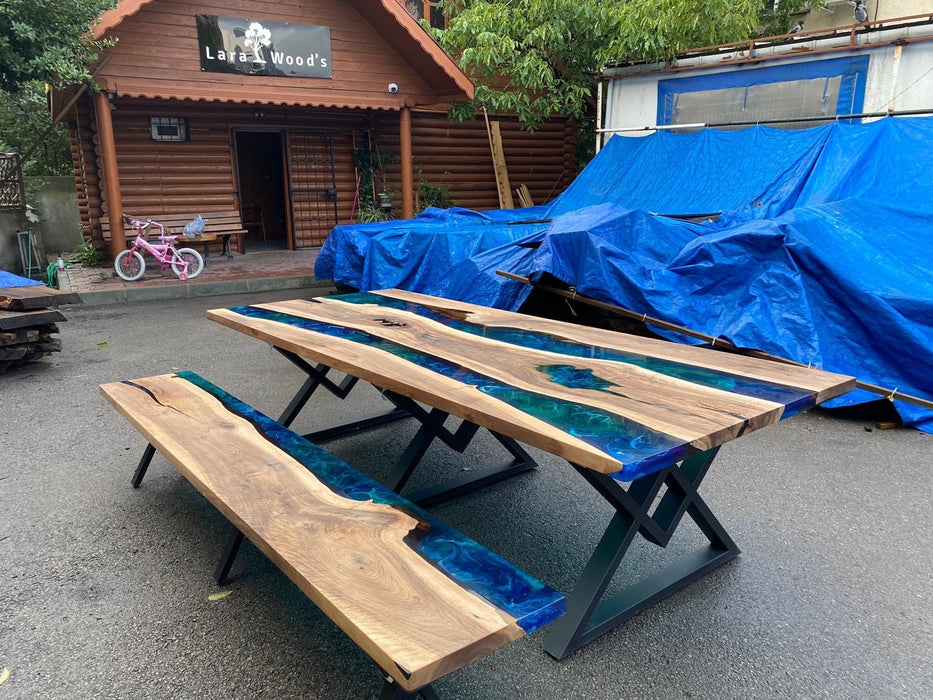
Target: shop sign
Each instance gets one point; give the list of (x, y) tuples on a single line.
[(254, 47)]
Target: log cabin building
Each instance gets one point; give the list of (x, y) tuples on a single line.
[(271, 110)]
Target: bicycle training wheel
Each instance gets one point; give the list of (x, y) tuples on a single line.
[(194, 260), (130, 265)]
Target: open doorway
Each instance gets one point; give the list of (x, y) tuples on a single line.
[(261, 177)]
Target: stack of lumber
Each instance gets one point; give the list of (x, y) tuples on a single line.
[(27, 323)]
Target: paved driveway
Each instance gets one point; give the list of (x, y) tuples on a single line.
[(105, 591)]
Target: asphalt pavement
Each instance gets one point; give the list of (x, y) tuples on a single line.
[(107, 592)]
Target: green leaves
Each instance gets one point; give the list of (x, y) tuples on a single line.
[(655, 30), (47, 40), (541, 57), (779, 17), (24, 117), (42, 42)]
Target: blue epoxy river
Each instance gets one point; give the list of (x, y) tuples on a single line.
[(638, 448), (795, 400), (531, 602)]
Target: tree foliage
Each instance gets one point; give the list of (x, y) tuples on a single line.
[(24, 120), (541, 57), (42, 42), (779, 17), (48, 40)]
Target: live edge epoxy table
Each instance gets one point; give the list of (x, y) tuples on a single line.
[(632, 415)]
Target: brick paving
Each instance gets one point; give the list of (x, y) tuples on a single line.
[(260, 265), (248, 272)]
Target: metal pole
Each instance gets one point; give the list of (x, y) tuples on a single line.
[(599, 115), (765, 122), (722, 343)]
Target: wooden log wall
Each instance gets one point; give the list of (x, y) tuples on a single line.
[(458, 156), (200, 174), (84, 156), (158, 55), (174, 177), (545, 160)]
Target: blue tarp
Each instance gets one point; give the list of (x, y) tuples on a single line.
[(416, 253), (823, 253), (8, 279)]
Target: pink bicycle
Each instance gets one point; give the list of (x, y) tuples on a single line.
[(130, 265)]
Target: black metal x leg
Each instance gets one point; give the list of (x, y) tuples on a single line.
[(234, 541), (143, 465), (588, 615), (432, 428), (317, 377)]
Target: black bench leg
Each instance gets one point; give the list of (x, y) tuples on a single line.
[(226, 560), (226, 246), (391, 691), (143, 465)]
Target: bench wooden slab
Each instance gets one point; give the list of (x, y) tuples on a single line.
[(421, 599)]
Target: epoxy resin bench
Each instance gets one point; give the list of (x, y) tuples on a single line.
[(421, 599)]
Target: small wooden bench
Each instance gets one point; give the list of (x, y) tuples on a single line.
[(224, 224), (421, 599)]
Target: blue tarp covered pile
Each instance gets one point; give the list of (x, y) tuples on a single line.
[(823, 253), (8, 279)]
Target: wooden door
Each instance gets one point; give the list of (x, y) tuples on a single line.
[(312, 186)]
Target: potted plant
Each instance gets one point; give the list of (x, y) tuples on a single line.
[(375, 195)]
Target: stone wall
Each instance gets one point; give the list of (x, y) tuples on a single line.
[(58, 229), (10, 223), (56, 203)]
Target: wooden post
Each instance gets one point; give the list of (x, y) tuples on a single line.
[(108, 157), (498, 163), (408, 194)]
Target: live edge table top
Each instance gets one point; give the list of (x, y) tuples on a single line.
[(618, 404)]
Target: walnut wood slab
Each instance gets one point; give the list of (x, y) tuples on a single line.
[(34, 297), (420, 598), (618, 404)]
